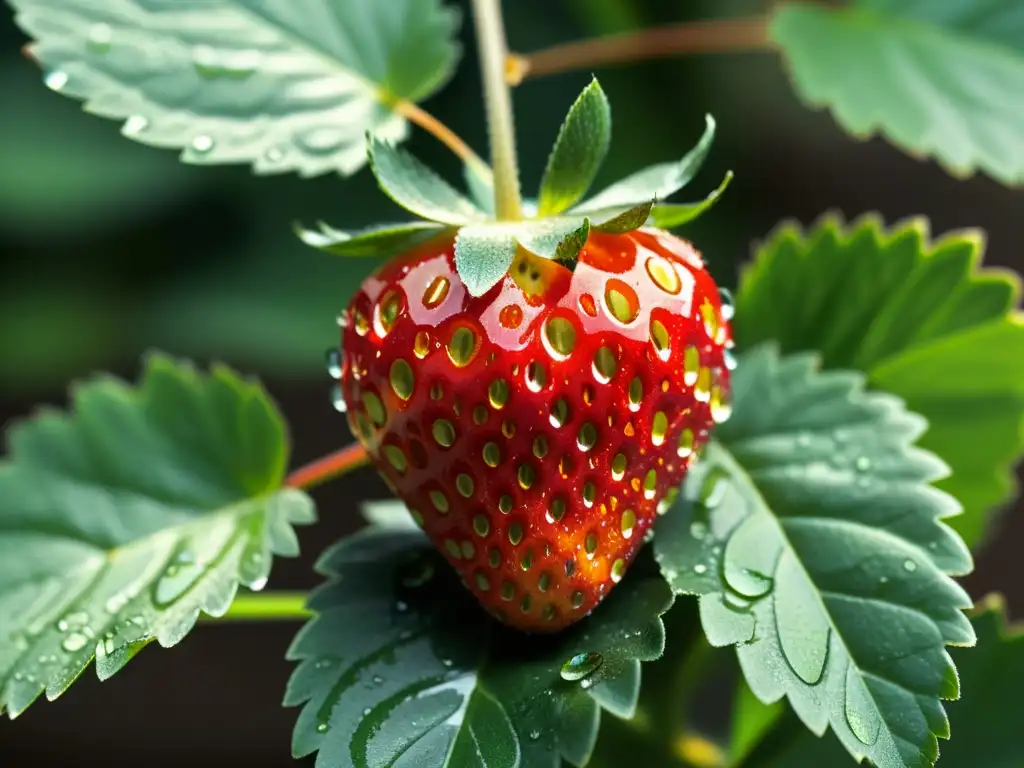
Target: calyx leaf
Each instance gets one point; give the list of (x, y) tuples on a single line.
[(816, 546), (417, 188), (579, 150), (483, 254), (656, 182), (629, 220), (922, 319), (672, 215), (383, 240), (429, 679), (126, 518), (279, 84)]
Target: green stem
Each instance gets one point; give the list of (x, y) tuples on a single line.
[(493, 48), (267, 606)]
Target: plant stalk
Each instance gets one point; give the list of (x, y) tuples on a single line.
[(711, 36), (419, 116), (493, 48), (328, 467), (266, 606)]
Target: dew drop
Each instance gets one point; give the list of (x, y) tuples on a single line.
[(338, 399), (322, 727), (332, 362), (909, 566), (436, 292), (100, 37), (322, 140), (698, 530), (202, 144), (727, 302), (75, 642), (730, 360), (510, 316), (863, 464), (700, 569), (861, 711), (135, 125), (581, 665)]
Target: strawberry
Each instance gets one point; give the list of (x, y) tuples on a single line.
[(535, 431)]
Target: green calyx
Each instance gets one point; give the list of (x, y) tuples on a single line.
[(485, 246)]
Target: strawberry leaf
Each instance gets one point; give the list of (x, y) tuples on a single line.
[(985, 723), (580, 149), (429, 679), (672, 215), (483, 254), (937, 79), (922, 319), (122, 521), (417, 188), (629, 220), (560, 239), (656, 182), (286, 85), (816, 546), (384, 240), (480, 185)]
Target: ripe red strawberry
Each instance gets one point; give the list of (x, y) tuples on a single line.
[(535, 431)]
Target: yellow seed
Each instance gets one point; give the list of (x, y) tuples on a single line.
[(702, 389), (468, 550), (540, 446), (387, 312), (436, 292), (549, 613), (622, 301), (480, 414), (436, 390), (360, 323), (577, 599), (525, 603), (707, 310), (659, 336), (560, 336), (482, 582), (444, 433), (375, 408), (396, 457), (650, 481), (526, 476), (685, 443), (618, 570), (556, 510), (464, 484), (659, 428), (544, 581), (536, 376), (527, 560), (494, 558), (590, 544), (605, 365), (721, 408), (664, 275), (515, 534), (505, 504), (508, 590), (462, 347), (691, 365), (402, 379), (559, 413), (497, 393), (587, 436), (628, 523), (440, 502), (453, 548), (508, 428), (589, 493), (421, 345), (636, 394), (618, 467), (492, 454), (481, 525)]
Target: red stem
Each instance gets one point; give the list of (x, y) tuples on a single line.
[(328, 467)]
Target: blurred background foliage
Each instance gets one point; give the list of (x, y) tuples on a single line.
[(110, 248)]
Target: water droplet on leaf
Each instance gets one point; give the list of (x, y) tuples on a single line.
[(581, 665)]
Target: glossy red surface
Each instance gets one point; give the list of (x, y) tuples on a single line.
[(535, 431)]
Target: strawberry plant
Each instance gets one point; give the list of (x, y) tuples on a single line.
[(618, 484)]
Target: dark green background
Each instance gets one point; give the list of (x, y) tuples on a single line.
[(109, 248)]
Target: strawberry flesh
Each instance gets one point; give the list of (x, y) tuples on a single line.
[(535, 432)]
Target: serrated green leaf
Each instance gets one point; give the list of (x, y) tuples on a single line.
[(430, 680), (121, 522), (629, 220), (656, 182), (381, 241), (483, 254), (560, 239), (417, 188), (286, 85), (938, 79), (922, 319), (672, 215), (985, 722), (579, 150), (816, 546), (480, 185)]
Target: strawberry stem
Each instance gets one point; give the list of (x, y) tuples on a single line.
[(493, 48), (328, 467), (711, 36), (266, 606), (419, 116)]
